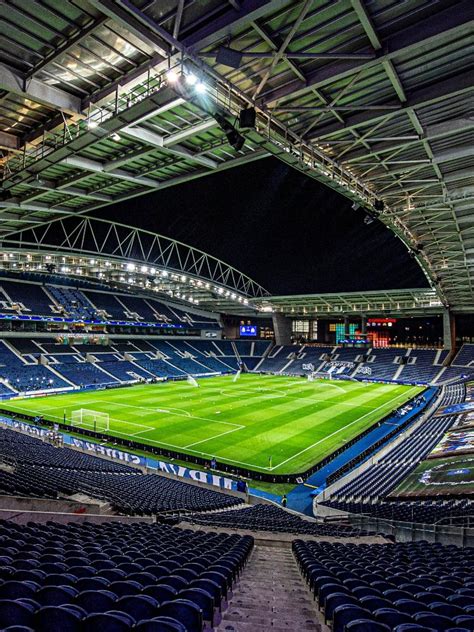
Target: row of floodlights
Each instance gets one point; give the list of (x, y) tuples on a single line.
[(133, 268)]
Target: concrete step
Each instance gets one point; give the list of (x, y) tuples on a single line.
[(270, 596)]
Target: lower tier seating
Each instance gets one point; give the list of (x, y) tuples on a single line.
[(367, 492), (115, 576), (41, 470), (271, 518), (387, 586)]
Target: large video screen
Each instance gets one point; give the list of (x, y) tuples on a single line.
[(248, 330)]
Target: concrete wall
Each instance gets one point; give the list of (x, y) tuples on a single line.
[(20, 503), (23, 517)]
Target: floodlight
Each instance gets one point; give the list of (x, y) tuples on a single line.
[(130, 267), (115, 136), (172, 76), (92, 124), (191, 79), (201, 87)]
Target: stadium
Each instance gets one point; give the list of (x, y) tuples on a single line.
[(237, 316)]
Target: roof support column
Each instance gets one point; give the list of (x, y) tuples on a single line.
[(282, 329), (449, 330), (347, 327)]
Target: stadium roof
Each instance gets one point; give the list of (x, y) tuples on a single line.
[(372, 98), (410, 302)]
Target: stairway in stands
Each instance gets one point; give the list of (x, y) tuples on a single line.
[(270, 595)]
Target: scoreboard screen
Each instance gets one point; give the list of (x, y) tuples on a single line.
[(248, 330)]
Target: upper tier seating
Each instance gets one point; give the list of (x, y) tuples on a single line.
[(111, 576), (107, 304), (385, 585), (137, 308), (73, 303), (30, 295), (30, 298), (42, 470), (465, 356), (271, 518)]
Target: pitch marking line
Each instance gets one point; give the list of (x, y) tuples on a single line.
[(221, 434), (337, 431), (183, 413)]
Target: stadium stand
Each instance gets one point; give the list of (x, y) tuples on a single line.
[(278, 358), (114, 576), (19, 376), (82, 303), (28, 297), (47, 471), (72, 303), (123, 370), (80, 372), (387, 586), (271, 518), (367, 492)]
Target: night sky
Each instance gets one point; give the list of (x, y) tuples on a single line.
[(290, 233)]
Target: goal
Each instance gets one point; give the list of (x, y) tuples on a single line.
[(93, 419)]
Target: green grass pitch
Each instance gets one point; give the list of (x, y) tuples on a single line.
[(264, 423)]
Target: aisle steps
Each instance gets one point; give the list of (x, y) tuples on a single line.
[(270, 596)]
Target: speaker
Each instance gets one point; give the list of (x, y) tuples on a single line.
[(228, 57), (247, 118)]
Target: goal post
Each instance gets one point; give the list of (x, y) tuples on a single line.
[(93, 419)]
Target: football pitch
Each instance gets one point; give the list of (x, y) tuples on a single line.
[(265, 423)]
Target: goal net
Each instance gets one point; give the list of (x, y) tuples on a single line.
[(93, 419)]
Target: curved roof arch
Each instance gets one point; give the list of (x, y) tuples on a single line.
[(108, 251)]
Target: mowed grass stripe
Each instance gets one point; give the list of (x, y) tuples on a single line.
[(281, 416)]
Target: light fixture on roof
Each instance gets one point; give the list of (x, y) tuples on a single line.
[(191, 79), (200, 87), (91, 124), (115, 136), (172, 75)]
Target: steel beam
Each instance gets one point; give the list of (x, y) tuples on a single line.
[(156, 140), (9, 141), (38, 91), (457, 85), (446, 24)]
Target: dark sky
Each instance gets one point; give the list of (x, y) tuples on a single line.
[(290, 233)]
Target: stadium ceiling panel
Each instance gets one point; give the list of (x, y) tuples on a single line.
[(372, 98)]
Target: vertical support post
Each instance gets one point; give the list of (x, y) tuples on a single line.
[(282, 329), (449, 330), (347, 330)]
